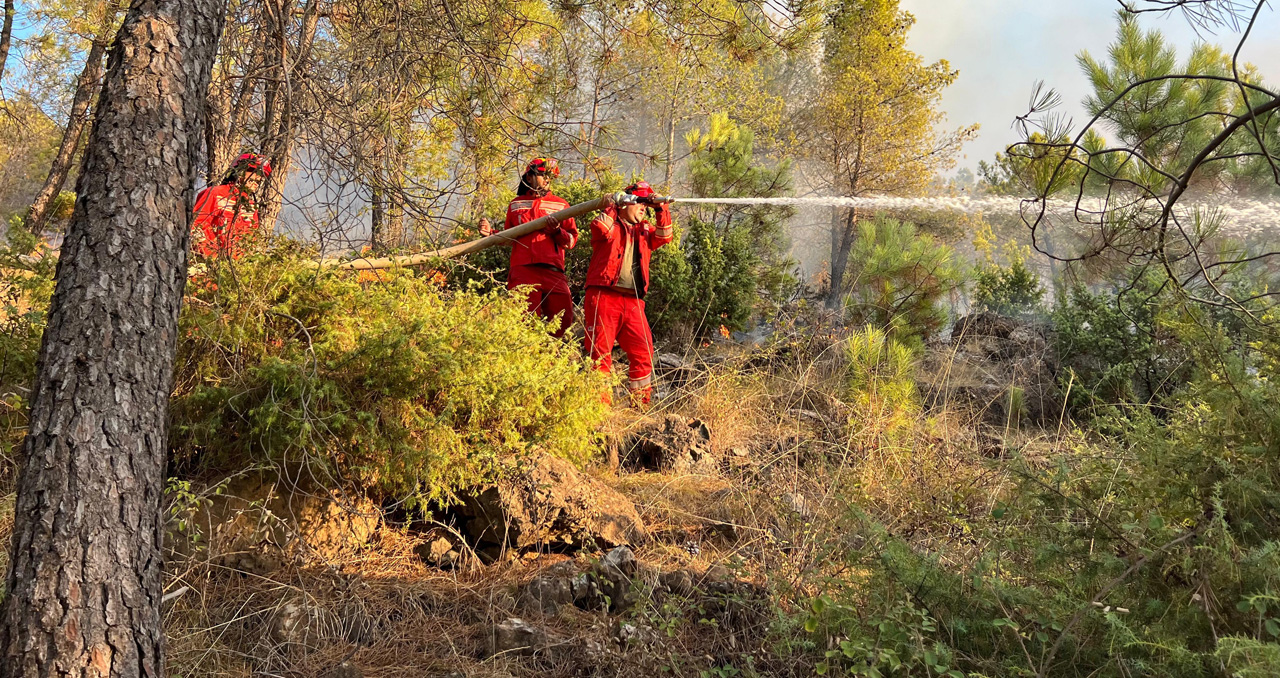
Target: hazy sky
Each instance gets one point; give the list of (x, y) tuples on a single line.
[(1001, 47)]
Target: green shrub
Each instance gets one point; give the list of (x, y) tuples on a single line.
[(881, 371), (899, 278), (1116, 345), (26, 286), (704, 281), (381, 377), (729, 262), (1011, 290)]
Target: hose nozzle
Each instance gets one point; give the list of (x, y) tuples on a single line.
[(623, 199)]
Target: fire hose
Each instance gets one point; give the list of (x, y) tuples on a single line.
[(503, 237)]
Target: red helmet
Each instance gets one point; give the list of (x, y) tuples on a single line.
[(252, 162), (640, 189), (543, 166)]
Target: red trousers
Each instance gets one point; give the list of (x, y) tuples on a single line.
[(612, 316), (549, 297)]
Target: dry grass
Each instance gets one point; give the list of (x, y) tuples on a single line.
[(777, 516)]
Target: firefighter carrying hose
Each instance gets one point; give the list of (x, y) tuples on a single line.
[(226, 213), (622, 240), (537, 259)]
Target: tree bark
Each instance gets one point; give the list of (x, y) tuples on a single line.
[(87, 86), (281, 122), (6, 34), (84, 585), (842, 233)]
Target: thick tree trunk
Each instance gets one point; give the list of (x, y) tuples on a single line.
[(842, 233), (84, 585), (6, 33), (87, 85)]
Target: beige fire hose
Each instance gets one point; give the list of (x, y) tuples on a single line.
[(486, 242)]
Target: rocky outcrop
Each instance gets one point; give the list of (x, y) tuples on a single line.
[(255, 523), (514, 636), (1001, 369), (549, 502), (674, 444)]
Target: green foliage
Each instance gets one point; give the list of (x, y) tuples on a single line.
[(26, 285), (704, 282), (1115, 347), (1167, 121), (729, 261), (1012, 290), (869, 146), (898, 641), (900, 278), (881, 371), (384, 378)]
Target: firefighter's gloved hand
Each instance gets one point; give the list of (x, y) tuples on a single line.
[(486, 228)]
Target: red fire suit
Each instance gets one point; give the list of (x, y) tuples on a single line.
[(616, 313), (537, 259), (224, 216)]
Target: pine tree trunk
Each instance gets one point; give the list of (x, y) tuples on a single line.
[(281, 122), (87, 85), (842, 234), (6, 34), (84, 586), (377, 227)]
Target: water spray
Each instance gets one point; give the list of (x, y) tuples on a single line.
[(1242, 217)]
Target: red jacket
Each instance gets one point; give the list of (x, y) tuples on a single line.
[(547, 246), (608, 242), (223, 217)]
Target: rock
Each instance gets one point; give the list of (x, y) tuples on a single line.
[(809, 416), (515, 636), (675, 444), (546, 502), (619, 564), (678, 582), (1002, 370), (586, 592), (296, 623), (545, 594), (614, 573), (740, 451), (439, 551), (345, 670), (726, 532), (717, 573), (493, 553), (630, 634), (262, 514), (670, 361), (985, 324), (797, 503)]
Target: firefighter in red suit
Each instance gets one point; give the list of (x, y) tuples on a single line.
[(226, 213), (537, 259), (622, 240)]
